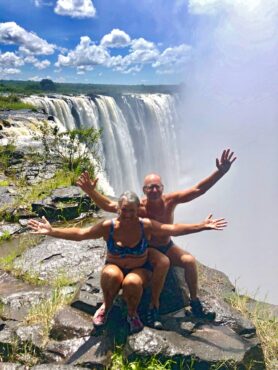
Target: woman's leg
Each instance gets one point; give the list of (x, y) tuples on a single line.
[(133, 285), (111, 281)]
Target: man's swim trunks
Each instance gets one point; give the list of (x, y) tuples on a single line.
[(164, 248)]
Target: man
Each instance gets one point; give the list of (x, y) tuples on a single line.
[(159, 206)]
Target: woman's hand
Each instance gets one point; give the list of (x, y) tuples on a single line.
[(217, 224), (40, 227)]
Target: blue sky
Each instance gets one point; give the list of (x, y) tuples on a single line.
[(96, 41)]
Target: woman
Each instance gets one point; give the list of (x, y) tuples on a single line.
[(126, 264)]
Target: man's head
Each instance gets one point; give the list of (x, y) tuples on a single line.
[(153, 187)]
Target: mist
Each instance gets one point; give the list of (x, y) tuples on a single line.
[(230, 101)]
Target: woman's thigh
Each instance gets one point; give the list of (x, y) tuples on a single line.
[(112, 272), (138, 276)]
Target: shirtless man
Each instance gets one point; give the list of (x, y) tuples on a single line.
[(160, 207)]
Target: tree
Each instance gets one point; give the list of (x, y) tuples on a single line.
[(47, 85), (76, 149)]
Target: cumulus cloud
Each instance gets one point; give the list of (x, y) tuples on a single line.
[(10, 59), (75, 8), (85, 54), (28, 42), (115, 39), (9, 71), (173, 57)]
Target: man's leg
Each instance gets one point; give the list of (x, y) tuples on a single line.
[(181, 258), (160, 264)]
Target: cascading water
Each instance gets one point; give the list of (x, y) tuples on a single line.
[(139, 133)]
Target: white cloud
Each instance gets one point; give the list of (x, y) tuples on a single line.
[(39, 3), (85, 54), (28, 42), (142, 44), (35, 78), (40, 64), (9, 71), (115, 39), (172, 57), (10, 59), (75, 8)]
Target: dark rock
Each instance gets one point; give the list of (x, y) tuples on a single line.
[(63, 350), (53, 256), (31, 334), (64, 204), (207, 346), (18, 297), (55, 367), (70, 323), (94, 354)]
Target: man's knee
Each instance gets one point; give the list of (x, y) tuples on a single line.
[(188, 260)]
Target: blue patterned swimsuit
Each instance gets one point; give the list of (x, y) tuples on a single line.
[(139, 249)]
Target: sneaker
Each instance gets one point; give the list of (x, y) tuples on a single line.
[(153, 319), (100, 316), (135, 324), (200, 312)]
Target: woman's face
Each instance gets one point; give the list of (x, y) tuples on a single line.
[(128, 211)]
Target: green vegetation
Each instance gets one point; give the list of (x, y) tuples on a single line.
[(5, 236), (73, 148), (4, 183), (44, 312), (21, 352), (13, 102), (266, 326), (6, 153), (31, 87)]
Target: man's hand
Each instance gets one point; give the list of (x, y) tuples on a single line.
[(226, 161), (86, 184), (40, 227), (217, 224)]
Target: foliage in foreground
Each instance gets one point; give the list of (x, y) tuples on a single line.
[(13, 102), (266, 326)]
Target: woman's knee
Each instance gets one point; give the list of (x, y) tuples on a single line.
[(111, 274)]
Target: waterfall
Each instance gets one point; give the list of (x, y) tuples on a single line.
[(138, 133)]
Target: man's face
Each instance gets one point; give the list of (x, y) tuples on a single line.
[(153, 188)]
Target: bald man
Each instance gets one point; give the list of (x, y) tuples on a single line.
[(159, 206)]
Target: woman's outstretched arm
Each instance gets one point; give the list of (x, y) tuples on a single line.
[(158, 229), (70, 233)]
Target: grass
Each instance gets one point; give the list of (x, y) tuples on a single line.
[(5, 235), (266, 326), (13, 102), (21, 352), (44, 312), (120, 363), (4, 183)]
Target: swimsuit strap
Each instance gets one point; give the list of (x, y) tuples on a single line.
[(111, 231), (142, 228)]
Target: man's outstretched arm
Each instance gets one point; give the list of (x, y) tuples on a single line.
[(223, 165), (89, 187)]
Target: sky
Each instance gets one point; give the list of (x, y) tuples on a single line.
[(95, 41)]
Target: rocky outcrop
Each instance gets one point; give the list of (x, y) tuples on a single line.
[(230, 339)]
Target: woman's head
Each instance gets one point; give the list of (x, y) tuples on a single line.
[(128, 204)]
